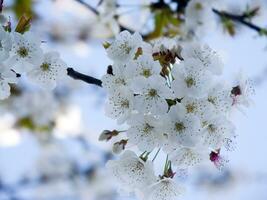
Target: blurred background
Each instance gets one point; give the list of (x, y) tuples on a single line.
[(49, 148)]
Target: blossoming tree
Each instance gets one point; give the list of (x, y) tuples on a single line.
[(164, 85)]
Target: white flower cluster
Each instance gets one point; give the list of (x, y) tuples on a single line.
[(171, 99), (39, 106), (199, 16), (22, 53)]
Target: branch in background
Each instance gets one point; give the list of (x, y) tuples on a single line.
[(79, 76), (240, 19), (1, 5), (88, 6), (181, 5), (95, 11)]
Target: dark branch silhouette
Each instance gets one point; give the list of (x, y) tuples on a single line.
[(240, 19), (79, 76), (88, 6)]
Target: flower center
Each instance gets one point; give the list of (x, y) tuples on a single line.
[(125, 104), (126, 48), (120, 81), (179, 126), (212, 100), (190, 82), (147, 128), (211, 128), (190, 108), (45, 66), (146, 73), (198, 6), (152, 92), (23, 52), (139, 166)]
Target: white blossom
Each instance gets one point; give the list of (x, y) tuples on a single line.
[(5, 44), (119, 78), (120, 105), (185, 157), (199, 107), (190, 79), (243, 91), (151, 94), (219, 96), (145, 131), (26, 52), (165, 189), (209, 58), (124, 47), (144, 66), (49, 71), (6, 77), (199, 16), (216, 131), (183, 129), (107, 18), (131, 172)]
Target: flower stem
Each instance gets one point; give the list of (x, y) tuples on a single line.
[(156, 155)]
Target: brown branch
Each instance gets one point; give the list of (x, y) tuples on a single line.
[(240, 19), (79, 76), (88, 6)]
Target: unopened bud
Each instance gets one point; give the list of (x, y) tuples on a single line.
[(138, 53), (118, 147), (236, 91), (23, 24), (218, 160), (110, 70), (169, 173), (107, 135), (106, 45), (7, 26)]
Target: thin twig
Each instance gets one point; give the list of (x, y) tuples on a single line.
[(79, 76), (240, 19), (156, 155), (88, 6)]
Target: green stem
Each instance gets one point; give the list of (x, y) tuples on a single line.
[(156, 155)]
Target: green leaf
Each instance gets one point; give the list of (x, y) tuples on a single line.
[(28, 123), (23, 24)]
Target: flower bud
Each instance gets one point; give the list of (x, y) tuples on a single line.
[(110, 70), (107, 135), (118, 147), (218, 160), (106, 45)]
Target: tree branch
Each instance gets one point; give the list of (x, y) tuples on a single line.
[(88, 6), (240, 19), (95, 11), (79, 76)]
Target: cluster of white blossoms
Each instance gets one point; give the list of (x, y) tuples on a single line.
[(201, 19), (22, 54), (199, 16), (173, 99)]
